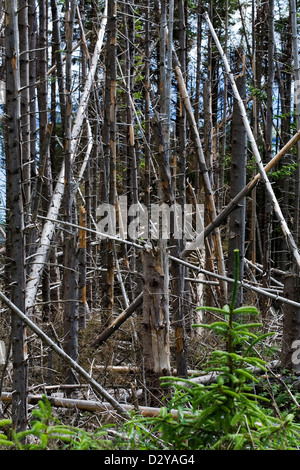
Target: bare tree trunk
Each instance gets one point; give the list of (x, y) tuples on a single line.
[(32, 19), (268, 209), (25, 104), (15, 216), (178, 271), (58, 61), (109, 144), (255, 133), (70, 276), (237, 219), (156, 347), (293, 9), (132, 171), (83, 307)]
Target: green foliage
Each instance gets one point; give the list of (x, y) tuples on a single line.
[(258, 93), (285, 171), (47, 433), (226, 414)]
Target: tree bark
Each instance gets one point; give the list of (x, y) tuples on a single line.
[(70, 275), (293, 9), (83, 306), (237, 218), (15, 243), (25, 104), (178, 271), (156, 343)]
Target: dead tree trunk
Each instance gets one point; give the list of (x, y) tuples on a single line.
[(156, 347), (109, 144), (15, 216), (83, 307), (268, 209), (25, 115), (237, 183), (178, 271), (293, 10), (70, 277)]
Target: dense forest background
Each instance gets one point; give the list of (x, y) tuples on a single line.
[(108, 110)]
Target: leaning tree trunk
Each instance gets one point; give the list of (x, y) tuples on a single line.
[(15, 216)]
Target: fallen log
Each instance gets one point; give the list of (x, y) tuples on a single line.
[(131, 369), (87, 405), (64, 356)]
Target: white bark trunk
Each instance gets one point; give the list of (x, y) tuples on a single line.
[(39, 259)]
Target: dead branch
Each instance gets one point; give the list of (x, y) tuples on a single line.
[(63, 355), (118, 321)]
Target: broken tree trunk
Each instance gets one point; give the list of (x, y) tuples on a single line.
[(156, 347)]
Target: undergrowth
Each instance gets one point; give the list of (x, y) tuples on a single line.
[(229, 413)]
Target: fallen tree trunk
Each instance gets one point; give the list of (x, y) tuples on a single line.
[(61, 353), (134, 369), (87, 405)]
